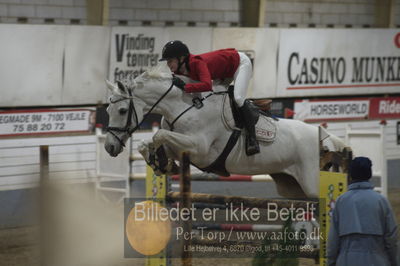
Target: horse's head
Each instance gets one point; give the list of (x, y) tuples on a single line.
[(152, 91), (125, 113)]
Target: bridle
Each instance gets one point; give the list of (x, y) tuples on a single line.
[(127, 129), (197, 103)]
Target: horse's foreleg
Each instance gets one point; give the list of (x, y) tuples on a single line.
[(144, 149), (159, 159), (178, 142)]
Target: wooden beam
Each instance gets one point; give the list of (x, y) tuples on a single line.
[(97, 12), (384, 13), (44, 164), (252, 13), (185, 200)]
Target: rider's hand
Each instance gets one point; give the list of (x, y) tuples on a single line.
[(178, 82)]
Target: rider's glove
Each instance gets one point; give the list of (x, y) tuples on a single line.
[(178, 82)]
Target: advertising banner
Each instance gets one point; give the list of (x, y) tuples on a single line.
[(388, 107), (50, 121), (327, 110), (338, 62), (135, 49)]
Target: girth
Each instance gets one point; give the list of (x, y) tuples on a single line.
[(218, 166)]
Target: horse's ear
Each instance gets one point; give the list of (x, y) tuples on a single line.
[(110, 86), (121, 86)]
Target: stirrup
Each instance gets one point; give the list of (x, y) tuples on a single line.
[(253, 149)]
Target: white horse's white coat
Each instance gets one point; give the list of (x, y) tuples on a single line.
[(295, 151)]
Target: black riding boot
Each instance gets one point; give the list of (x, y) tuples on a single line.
[(249, 114)]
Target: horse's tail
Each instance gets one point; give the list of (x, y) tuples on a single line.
[(336, 144), (339, 144)]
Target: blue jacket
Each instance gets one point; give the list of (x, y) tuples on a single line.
[(363, 229)]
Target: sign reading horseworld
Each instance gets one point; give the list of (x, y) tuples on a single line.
[(38, 122), (326, 110), (338, 62), (347, 109), (134, 50)]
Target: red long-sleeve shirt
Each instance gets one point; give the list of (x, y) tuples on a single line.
[(206, 67)]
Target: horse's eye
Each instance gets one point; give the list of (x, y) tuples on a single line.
[(122, 111)]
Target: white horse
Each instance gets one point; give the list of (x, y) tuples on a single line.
[(292, 159)]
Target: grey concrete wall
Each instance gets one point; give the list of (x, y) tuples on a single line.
[(203, 13)]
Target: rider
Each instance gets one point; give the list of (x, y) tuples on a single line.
[(220, 64)]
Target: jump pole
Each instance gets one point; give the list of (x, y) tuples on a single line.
[(246, 202), (186, 201), (208, 177), (43, 197)]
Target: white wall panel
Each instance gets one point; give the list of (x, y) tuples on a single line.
[(53, 65), (20, 160), (80, 176), (16, 152), (19, 181), (31, 62), (263, 44), (76, 165), (70, 158), (20, 170), (86, 64)]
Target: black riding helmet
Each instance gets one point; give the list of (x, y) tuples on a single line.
[(174, 49)]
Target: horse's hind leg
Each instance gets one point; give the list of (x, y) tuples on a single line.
[(288, 187)]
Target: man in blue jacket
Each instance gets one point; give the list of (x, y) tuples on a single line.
[(363, 229)]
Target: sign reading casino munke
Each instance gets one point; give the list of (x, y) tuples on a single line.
[(338, 62)]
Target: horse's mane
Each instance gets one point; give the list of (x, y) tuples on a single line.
[(160, 71)]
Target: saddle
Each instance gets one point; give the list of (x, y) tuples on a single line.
[(265, 131), (265, 126)]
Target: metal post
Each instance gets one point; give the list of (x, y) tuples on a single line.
[(43, 203), (44, 164)]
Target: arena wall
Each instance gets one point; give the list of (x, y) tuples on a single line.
[(203, 13), (53, 65), (76, 60)]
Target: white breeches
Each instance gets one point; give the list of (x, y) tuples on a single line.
[(242, 78)]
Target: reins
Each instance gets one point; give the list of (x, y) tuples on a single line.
[(196, 102), (132, 109)]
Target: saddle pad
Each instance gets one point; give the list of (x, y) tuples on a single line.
[(265, 127)]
